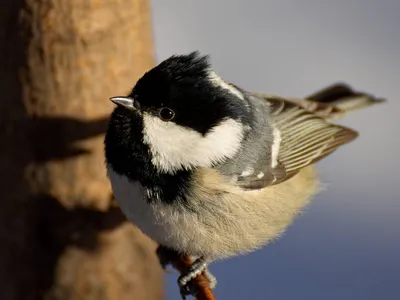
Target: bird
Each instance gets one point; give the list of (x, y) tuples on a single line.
[(211, 170)]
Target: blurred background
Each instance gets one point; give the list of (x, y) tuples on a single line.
[(347, 244), (62, 236)]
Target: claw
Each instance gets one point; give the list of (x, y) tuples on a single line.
[(195, 269)]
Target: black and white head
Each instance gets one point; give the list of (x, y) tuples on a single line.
[(180, 115)]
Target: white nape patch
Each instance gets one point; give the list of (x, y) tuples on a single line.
[(219, 82), (174, 147), (275, 147), (260, 175), (247, 172)]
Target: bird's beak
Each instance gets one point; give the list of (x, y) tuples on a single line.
[(123, 101)]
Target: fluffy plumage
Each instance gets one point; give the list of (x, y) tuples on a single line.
[(230, 170), (219, 219)]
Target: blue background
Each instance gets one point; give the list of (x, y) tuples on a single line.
[(346, 245)]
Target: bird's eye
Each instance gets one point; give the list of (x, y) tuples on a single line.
[(166, 114)]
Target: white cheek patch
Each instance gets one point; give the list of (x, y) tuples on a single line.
[(174, 147), (219, 82)]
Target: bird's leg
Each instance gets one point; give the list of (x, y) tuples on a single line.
[(168, 256), (165, 255), (195, 269), (212, 281)]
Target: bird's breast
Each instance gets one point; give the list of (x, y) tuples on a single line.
[(133, 199), (218, 220)]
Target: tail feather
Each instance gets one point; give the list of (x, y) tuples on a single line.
[(332, 102), (343, 97)]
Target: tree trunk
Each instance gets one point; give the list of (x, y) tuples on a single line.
[(60, 235)]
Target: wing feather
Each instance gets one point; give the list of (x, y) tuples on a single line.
[(305, 138)]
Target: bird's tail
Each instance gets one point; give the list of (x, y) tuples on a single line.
[(332, 102), (344, 98)]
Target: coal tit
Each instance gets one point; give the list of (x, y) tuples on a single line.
[(211, 170)]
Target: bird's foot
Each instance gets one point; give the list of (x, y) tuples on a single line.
[(195, 269), (212, 281)]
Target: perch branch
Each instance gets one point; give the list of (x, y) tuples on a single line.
[(200, 285)]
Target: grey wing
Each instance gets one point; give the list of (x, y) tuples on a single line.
[(300, 138)]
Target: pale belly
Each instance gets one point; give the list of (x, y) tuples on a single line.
[(216, 226), (169, 225), (131, 197)]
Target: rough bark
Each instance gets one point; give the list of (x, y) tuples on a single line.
[(60, 236)]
